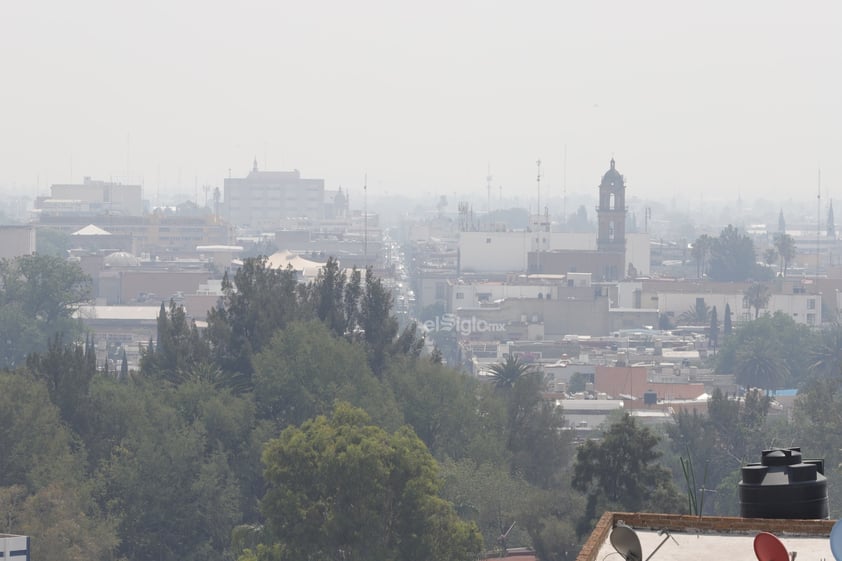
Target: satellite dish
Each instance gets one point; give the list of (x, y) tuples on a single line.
[(767, 547), (626, 542), (836, 540)]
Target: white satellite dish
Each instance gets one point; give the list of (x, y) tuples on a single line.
[(836, 540)]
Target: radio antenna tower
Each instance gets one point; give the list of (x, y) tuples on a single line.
[(818, 222), (564, 187), (488, 186), (540, 225), (539, 187), (365, 220)]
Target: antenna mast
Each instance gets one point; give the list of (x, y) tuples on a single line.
[(818, 222), (488, 186), (365, 220), (564, 187), (540, 225)]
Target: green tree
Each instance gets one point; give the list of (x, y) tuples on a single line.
[(67, 371), (698, 314), (124, 366), (786, 339), (329, 293), (36, 444), (713, 334), (38, 296), (341, 488), (535, 432), (701, 252), (489, 495), (180, 347), (818, 421), (174, 492), (726, 322), (785, 246), (622, 469), (757, 296), (379, 325), (64, 525), (505, 374), (440, 405), (304, 370), (259, 301), (770, 256), (760, 364), (732, 256), (825, 353)]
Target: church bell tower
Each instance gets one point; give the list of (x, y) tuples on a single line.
[(611, 212)]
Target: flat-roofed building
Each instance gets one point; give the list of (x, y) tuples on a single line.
[(16, 241), (105, 197), (264, 199)]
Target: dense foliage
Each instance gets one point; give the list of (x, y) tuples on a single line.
[(165, 463)]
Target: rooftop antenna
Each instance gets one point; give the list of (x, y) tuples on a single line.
[(128, 156), (365, 220), (488, 185), (818, 221), (564, 187), (540, 225), (503, 540)]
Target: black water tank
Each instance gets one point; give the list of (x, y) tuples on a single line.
[(650, 397), (783, 485)]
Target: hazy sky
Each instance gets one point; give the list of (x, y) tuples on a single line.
[(716, 97)]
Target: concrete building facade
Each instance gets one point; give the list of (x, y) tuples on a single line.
[(263, 199), (95, 196)]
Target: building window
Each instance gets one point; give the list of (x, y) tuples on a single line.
[(811, 304), (440, 290), (487, 240), (460, 295), (811, 319)]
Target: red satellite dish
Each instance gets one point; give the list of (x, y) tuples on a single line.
[(767, 547)]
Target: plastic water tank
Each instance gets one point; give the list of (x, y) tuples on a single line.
[(783, 485)]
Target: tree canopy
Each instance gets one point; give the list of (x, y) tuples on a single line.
[(733, 257), (342, 488), (38, 297)]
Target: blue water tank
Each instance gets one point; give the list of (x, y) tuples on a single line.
[(783, 485)]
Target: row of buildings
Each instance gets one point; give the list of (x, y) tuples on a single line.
[(139, 254)]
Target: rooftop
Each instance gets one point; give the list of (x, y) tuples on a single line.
[(708, 537)]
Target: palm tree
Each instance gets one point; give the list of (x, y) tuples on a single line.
[(726, 322), (757, 296), (713, 337), (698, 314), (759, 364), (700, 252), (785, 245), (770, 256), (506, 373), (825, 354)]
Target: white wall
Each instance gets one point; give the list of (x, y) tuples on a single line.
[(486, 252)]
